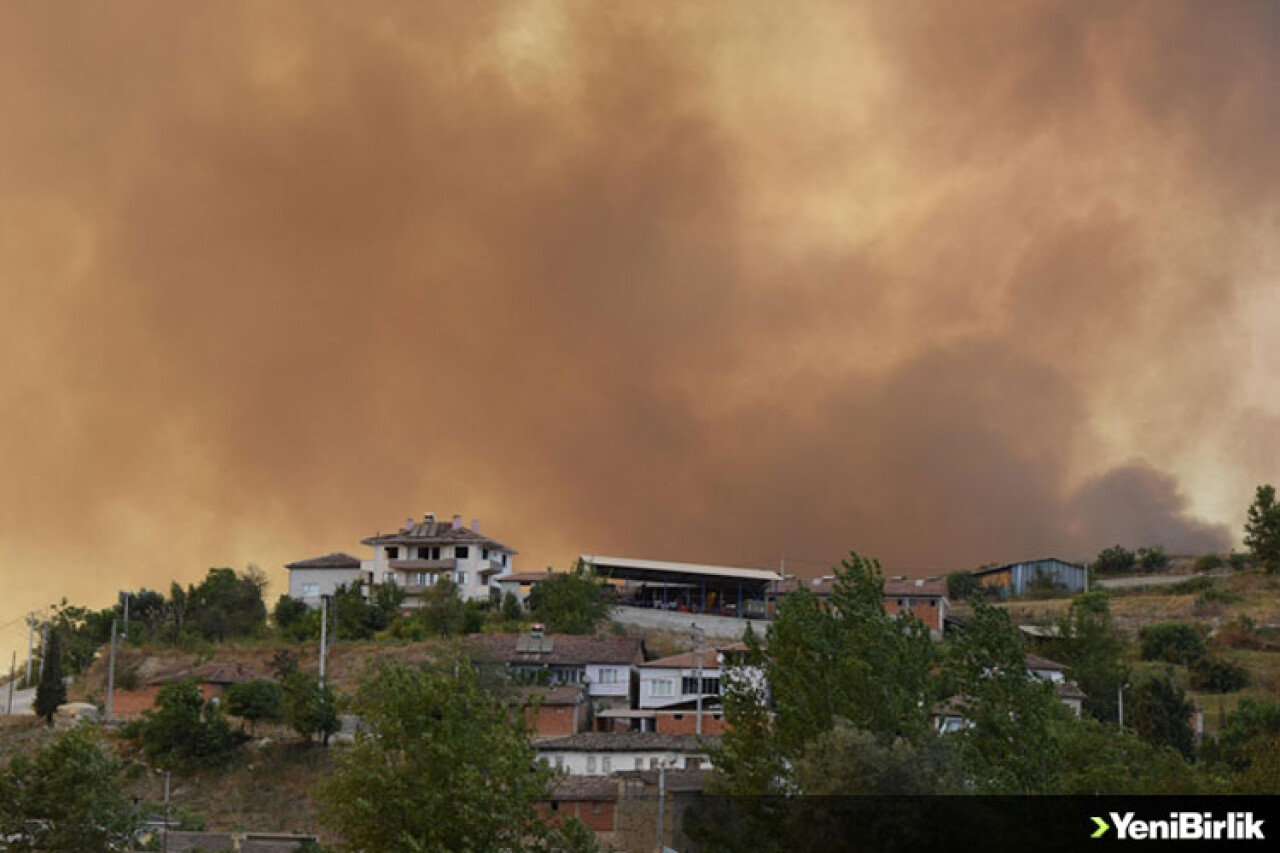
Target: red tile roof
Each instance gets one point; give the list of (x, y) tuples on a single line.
[(565, 649), (336, 560)]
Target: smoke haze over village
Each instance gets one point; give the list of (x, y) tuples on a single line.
[(945, 284)]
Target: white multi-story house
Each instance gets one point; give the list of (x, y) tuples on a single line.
[(419, 554)]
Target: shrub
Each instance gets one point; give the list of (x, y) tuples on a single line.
[(1208, 563), (1218, 675), (256, 700), (961, 586), (1115, 559), (1238, 560), (310, 708), (1153, 559), (185, 731), (1175, 642), (1191, 586)]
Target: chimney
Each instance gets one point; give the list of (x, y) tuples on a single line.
[(408, 525), (457, 522), (537, 629), (475, 525)]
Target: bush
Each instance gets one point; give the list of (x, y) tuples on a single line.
[(1153, 559), (1194, 585), (1162, 715), (1208, 563), (1175, 642), (185, 731), (310, 708), (1238, 560), (961, 586), (1217, 675), (256, 700), (1115, 559), (511, 609), (1239, 634)]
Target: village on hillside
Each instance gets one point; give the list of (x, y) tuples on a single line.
[(641, 686)]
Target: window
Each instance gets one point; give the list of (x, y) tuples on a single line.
[(639, 763), (310, 590), (559, 762), (461, 578), (596, 806), (388, 577), (691, 763), (606, 764), (677, 716), (688, 685), (653, 764), (608, 676), (660, 687), (424, 553), (933, 602), (484, 580), (591, 764), (555, 805), (461, 552), (392, 552), (484, 553)]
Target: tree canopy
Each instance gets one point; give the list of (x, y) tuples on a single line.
[(441, 765), (68, 797), (1262, 530), (570, 602), (52, 689)]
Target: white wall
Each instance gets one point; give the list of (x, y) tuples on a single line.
[(596, 687), (576, 763), (327, 580)]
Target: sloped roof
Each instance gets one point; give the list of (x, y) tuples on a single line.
[(662, 567), (566, 649), (564, 694), (909, 588), (336, 560), (995, 569), (627, 742), (431, 532), (687, 660), (584, 789), (1038, 662)]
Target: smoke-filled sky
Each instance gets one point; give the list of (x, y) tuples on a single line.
[(947, 283)]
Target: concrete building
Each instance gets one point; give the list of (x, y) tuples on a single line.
[(418, 554), (688, 587), (311, 579), (926, 599)]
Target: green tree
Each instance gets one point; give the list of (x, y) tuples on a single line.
[(1152, 559), (1252, 720), (227, 605), (52, 689), (1008, 746), (570, 602), (287, 613), (81, 632), (846, 761), (962, 586), (256, 700), (441, 612), (310, 708), (184, 730), (440, 766), (1098, 760), (1262, 530), (68, 797), (1162, 715), (1218, 675), (1172, 642), (472, 617), (511, 610), (747, 761), (1092, 650), (1115, 559)]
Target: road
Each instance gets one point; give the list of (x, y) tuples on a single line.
[(22, 699), (1154, 580)]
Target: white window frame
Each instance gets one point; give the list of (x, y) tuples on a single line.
[(609, 675), (661, 688), (591, 764)]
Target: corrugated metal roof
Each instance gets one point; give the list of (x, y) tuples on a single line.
[(659, 567)]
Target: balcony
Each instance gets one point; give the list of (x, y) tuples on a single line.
[(443, 565)]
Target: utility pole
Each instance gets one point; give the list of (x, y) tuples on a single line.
[(13, 666), (31, 627), (166, 809), (662, 802), (111, 673), (1120, 700), (124, 635), (324, 633)]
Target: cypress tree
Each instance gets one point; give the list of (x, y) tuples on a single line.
[(52, 690)]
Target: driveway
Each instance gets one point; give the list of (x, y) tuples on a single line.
[(1153, 580)]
